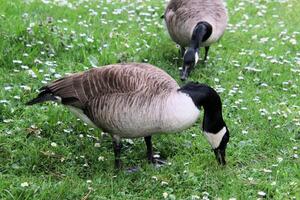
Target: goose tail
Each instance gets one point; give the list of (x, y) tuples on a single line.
[(44, 95)]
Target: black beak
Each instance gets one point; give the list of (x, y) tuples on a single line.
[(184, 74), (220, 156)]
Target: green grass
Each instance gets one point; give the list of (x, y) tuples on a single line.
[(261, 106)]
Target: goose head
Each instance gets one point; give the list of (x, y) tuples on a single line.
[(214, 128), (218, 142), (190, 59), (201, 32)]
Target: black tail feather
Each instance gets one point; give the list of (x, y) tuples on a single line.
[(42, 97)]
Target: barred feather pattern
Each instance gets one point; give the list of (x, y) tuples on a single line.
[(128, 100), (181, 17)]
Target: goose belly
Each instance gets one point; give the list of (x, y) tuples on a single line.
[(137, 126), (174, 114), (162, 115)]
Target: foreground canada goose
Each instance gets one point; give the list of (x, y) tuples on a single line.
[(139, 100), (194, 24)]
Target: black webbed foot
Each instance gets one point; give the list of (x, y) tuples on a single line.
[(157, 162), (133, 169), (154, 159)]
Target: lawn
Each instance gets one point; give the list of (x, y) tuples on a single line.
[(46, 153)]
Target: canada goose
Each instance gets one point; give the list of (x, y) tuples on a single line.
[(194, 24), (138, 100)]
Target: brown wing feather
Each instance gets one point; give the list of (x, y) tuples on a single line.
[(80, 88)]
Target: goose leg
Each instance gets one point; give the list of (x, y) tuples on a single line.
[(150, 157), (149, 148), (206, 53), (182, 51), (117, 150)]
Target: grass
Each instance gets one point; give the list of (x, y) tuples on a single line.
[(46, 153)]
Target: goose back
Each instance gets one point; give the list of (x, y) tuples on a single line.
[(79, 88), (181, 17)]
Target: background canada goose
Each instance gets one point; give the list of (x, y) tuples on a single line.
[(139, 100), (194, 24)]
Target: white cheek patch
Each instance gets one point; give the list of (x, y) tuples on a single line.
[(196, 57), (215, 138)]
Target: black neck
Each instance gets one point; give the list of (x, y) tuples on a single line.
[(201, 33), (206, 97)]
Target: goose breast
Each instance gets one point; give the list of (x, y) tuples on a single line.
[(181, 17)]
